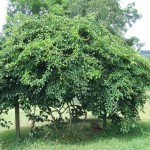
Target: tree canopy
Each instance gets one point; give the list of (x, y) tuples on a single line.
[(49, 60), (108, 12)]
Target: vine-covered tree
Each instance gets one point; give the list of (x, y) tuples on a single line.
[(48, 60)]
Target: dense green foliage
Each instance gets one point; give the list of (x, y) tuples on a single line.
[(49, 60), (108, 12), (31, 7)]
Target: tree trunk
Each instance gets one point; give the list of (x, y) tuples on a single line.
[(17, 120)]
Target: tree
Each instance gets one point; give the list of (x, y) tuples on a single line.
[(10, 87), (36, 7), (109, 12), (135, 43), (48, 60)]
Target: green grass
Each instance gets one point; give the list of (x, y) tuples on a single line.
[(138, 139)]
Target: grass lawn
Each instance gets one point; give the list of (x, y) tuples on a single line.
[(139, 139)]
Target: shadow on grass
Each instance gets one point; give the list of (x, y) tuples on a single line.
[(8, 136), (78, 138)]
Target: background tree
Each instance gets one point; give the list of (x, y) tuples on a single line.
[(36, 7), (107, 12), (135, 43)]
